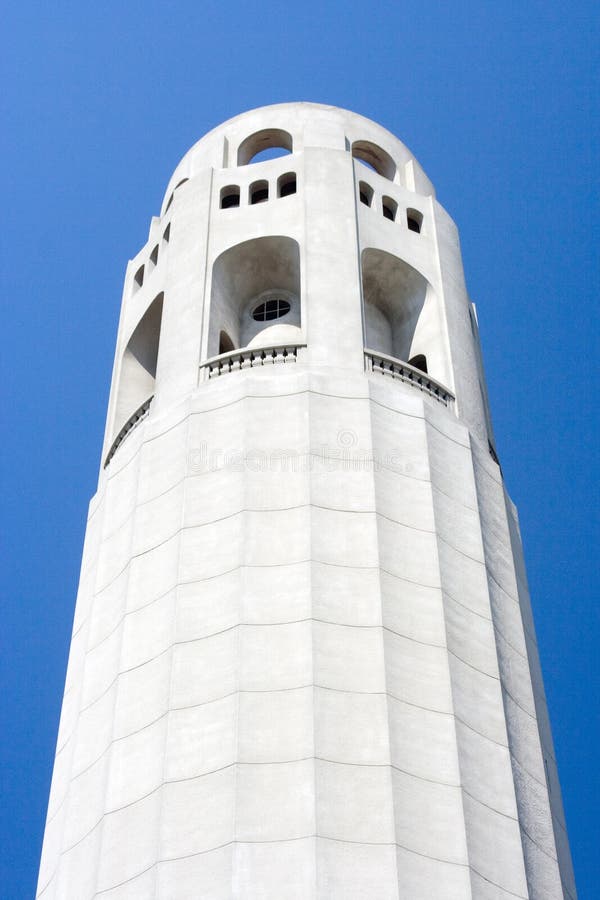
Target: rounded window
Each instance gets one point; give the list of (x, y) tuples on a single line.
[(274, 308)]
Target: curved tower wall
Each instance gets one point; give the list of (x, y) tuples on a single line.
[(303, 661)]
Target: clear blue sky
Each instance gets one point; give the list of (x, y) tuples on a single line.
[(100, 100)]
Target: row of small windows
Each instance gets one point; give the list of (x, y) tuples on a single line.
[(389, 208), (258, 192), (138, 278)]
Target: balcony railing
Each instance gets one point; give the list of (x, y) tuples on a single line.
[(381, 364), (129, 425), (237, 360)]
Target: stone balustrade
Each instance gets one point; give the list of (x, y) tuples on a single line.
[(379, 363), (140, 413), (249, 358)]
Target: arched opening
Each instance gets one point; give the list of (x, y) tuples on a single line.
[(394, 296), (179, 183), (261, 141), (154, 256), (419, 362), (230, 196), (374, 157), (269, 153), (365, 193), (414, 220), (286, 184), (225, 343), (138, 278), (138, 365), (389, 207), (167, 234), (258, 192), (255, 294)]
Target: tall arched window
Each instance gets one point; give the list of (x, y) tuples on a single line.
[(401, 313), (255, 294), (138, 365), (394, 295)]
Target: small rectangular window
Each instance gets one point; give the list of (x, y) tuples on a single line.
[(365, 193), (259, 192), (230, 196), (414, 220), (286, 184), (389, 208)]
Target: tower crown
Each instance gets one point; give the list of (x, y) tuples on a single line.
[(300, 232), (295, 127)]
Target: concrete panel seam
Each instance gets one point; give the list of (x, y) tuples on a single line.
[(305, 838), (212, 634), (471, 666), (551, 856)]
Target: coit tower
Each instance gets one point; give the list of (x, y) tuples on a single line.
[(303, 661)]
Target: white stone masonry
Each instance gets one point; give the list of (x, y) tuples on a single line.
[(303, 661)]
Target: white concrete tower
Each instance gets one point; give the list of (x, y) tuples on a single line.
[(303, 662)]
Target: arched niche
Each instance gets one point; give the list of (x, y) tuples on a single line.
[(267, 139), (225, 343), (255, 294), (375, 157), (401, 312), (419, 362), (138, 366)]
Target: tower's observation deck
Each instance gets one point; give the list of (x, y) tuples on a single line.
[(303, 662)]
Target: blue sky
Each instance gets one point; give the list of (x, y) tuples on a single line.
[(100, 100)]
